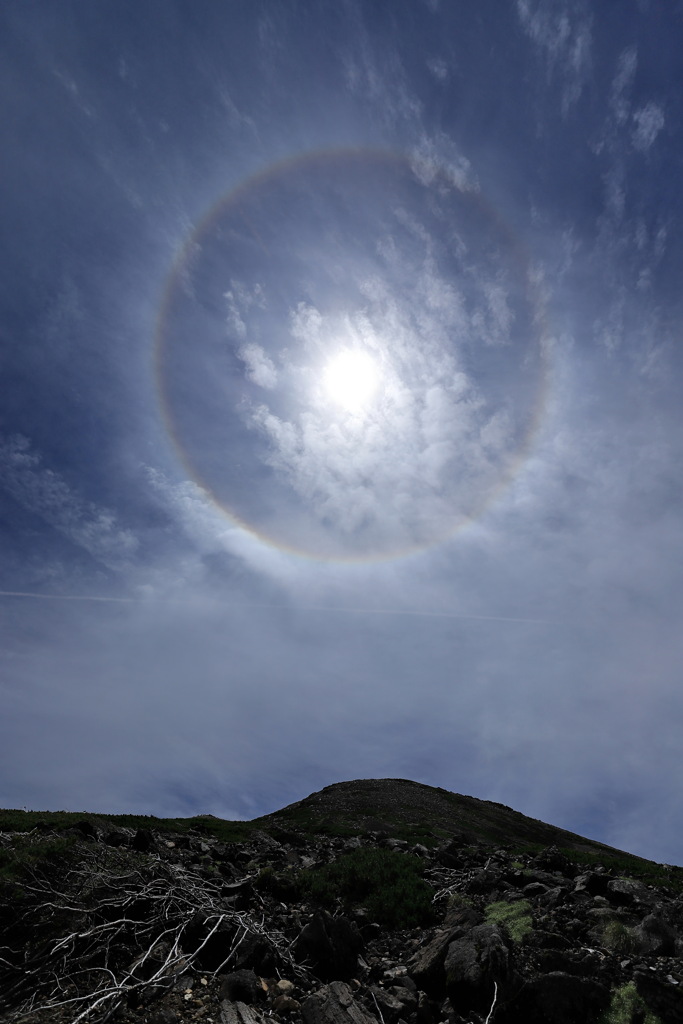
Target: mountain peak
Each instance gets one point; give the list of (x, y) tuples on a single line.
[(417, 812)]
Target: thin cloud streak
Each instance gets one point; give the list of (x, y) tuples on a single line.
[(421, 613)]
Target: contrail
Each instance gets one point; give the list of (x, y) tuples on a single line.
[(65, 597), (412, 612)]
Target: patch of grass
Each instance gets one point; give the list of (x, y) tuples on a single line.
[(388, 884), (619, 938), (516, 917), (225, 831), (634, 868), (24, 857), (456, 899), (283, 885), (626, 1003), (620, 864)]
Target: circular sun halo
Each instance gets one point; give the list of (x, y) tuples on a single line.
[(351, 379)]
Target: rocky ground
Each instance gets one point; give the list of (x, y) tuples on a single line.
[(104, 923)]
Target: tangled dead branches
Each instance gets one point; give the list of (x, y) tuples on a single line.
[(107, 927)]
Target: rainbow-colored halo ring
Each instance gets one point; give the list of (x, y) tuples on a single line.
[(350, 355)]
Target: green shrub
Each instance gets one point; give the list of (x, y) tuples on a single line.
[(456, 899), (283, 885), (625, 1003), (24, 857), (388, 884), (619, 938), (516, 917)]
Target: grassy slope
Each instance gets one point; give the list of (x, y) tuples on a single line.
[(397, 807)]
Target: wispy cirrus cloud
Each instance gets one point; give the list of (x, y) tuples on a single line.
[(563, 33), (433, 444), (45, 493), (649, 121)]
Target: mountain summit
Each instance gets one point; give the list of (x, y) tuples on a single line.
[(414, 810), (377, 901)]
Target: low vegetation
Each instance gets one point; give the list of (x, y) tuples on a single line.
[(515, 917), (620, 865), (388, 884), (26, 858), (619, 938), (627, 1006), (27, 821)]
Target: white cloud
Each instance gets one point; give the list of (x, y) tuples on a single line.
[(46, 494), (240, 299), (429, 450), (260, 369), (649, 121), (436, 157), (377, 76), (623, 83), (438, 68), (563, 32)]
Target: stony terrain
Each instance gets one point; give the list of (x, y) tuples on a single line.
[(103, 921)]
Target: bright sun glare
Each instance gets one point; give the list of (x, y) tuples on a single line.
[(351, 379)]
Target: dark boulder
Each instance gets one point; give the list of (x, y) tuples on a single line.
[(427, 967), (330, 945), (626, 892), (143, 841), (655, 936), (334, 1004), (663, 998), (592, 883), (242, 986), (473, 964), (557, 998), (552, 859)]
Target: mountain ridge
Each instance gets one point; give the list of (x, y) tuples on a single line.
[(449, 910), (387, 805)]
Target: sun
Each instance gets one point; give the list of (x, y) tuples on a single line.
[(351, 379)]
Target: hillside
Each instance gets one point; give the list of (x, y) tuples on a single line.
[(418, 812), (370, 902)]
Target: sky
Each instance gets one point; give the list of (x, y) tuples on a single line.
[(340, 420)]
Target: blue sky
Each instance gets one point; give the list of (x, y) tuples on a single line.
[(340, 431)]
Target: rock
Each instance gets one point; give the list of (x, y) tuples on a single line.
[(425, 1012), (242, 986), (450, 854), (592, 883), (114, 837), (330, 945), (407, 997), (557, 998), (626, 892), (552, 859), (257, 953), (655, 936), (333, 1004), (86, 829), (390, 1007), (285, 1004), (143, 841), (426, 969), (663, 998), (535, 889), (239, 1013), (473, 964)]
